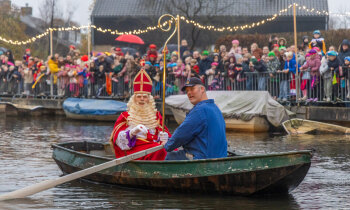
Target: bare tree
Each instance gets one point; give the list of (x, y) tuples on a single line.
[(203, 11), (344, 20)]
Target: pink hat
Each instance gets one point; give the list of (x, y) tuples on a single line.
[(214, 64), (316, 49), (235, 42)]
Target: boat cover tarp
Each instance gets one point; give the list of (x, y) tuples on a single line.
[(93, 106), (242, 105)]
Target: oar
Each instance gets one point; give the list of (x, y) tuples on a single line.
[(30, 190)]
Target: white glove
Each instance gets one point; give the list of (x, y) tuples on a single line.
[(163, 136), (139, 131)]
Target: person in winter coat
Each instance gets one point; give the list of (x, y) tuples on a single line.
[(327, 79), (346, 73), (289, 66), (318, 41), (3, 78), (305, 80), (152, 50), (236, 49), (305, 44), (273, 65), (259, 66), (204, 64), (333, 66), (314, 64), (344, 50)]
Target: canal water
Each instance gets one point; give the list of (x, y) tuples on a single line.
[(25, 159)]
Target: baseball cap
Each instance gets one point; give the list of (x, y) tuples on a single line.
[(192, 82)]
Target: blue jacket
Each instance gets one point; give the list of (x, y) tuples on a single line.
[(202, 134)]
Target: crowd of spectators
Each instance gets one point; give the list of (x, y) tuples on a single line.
[(323, 74)]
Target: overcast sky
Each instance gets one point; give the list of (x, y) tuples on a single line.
[(82, 7)]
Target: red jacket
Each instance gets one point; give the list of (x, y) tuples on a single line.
[(121, 125)]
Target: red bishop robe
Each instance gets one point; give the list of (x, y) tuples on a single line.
[(141, 144)]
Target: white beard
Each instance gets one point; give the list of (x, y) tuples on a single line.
[(145, 115)]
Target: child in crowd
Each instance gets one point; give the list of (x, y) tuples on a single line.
[(305, 79), (289, 66), (236, 49), (211, 73), (273, 64), (318, 41), (240, 76), (314, 64), (346, 74)]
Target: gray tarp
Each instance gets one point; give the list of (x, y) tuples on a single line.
[(239, 104)]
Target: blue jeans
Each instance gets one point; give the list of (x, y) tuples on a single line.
[(176, 155), (262, 83), (249, 83), (284, 89)]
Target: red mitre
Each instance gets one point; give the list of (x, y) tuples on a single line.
[(142, 82)]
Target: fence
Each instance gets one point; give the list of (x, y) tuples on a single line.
[(281, 86)]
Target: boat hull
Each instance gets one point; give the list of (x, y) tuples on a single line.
[(255, 125), (245, 175), (300, 126), (110, 118)]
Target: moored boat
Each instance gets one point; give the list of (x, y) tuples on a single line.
[(300, 126), (244, 111), (93, 109), (236, 175)]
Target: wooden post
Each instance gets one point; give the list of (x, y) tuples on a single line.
[(297, 86), (178, 36), (51, 54), (89, 41)]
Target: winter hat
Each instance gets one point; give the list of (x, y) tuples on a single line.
[(156, 65), (316, 49), (27, 50), (84, 58), (307, 55), (317, 32), (271, 54), (275, 45), (205, 52), (214, 64), (235, 42), (347, 58), (152, 46), (149, 63), (312, 52), (72, 46), (332, 53), (152, 56)]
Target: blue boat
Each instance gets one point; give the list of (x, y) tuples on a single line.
[(93, 109)]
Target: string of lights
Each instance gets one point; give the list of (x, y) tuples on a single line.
[(186, 20)]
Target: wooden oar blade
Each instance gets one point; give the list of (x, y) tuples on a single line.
[(30, 190)]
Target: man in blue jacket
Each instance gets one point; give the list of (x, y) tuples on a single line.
[(202, 134)]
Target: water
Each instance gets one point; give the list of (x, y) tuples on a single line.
[(25, 159)]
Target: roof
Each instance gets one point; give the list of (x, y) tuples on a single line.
[(116, 8)]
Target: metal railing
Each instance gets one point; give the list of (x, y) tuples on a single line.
[(313, 87)]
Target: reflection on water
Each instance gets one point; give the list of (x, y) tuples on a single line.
[(25, 159)]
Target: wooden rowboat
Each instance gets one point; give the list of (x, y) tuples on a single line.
[(237, 175), (301, 126)]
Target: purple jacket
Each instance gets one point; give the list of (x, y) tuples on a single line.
[(314, 65)]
